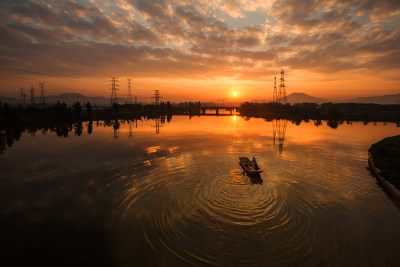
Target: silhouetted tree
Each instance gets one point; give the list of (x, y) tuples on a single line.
[(115, 107), (8, 112), (89, 109), (77, 109)]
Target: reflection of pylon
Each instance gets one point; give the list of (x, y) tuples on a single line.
[(159, 124), (157, 96), (114, 89), (279, 130)]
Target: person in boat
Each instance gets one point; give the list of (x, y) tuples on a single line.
[(255, 165)]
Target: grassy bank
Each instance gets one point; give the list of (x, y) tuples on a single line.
[(386, 155)]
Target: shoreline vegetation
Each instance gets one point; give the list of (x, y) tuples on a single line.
[(386, 157), (62, 119), (301, 111), (335, 112)]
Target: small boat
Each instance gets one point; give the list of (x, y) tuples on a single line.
[(247, 166)]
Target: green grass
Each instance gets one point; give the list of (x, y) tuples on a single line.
[(386, 156)]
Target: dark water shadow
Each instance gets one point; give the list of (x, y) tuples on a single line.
[(254, 178), (395, 202), (48, 244)]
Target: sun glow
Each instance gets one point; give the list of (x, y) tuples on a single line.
[(234, 94)]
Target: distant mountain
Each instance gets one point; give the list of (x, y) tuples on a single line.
[(304, 98), (385, 99), (70, 98)]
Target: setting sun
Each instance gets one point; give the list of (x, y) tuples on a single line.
[(234, 93)]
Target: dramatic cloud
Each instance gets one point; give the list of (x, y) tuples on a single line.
[(194, 40)]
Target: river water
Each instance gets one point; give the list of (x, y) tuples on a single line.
[(173, 193)]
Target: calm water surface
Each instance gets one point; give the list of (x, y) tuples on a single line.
[(174, 194)]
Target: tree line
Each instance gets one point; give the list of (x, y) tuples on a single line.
[(327, 111)]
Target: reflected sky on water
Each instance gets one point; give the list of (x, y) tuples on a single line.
[(159, 193)]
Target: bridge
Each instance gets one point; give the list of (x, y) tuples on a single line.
[(232, 110)]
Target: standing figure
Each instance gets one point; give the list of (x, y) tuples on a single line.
[(255, 166)]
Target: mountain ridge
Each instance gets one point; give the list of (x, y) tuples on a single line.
[(299, 97), (296, 97)]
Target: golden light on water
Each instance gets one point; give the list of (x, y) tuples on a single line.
[(234, 117)]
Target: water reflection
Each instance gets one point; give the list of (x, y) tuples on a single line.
[(178, 196), (11, 131), (279, 132), (159, 124), (255, 178)]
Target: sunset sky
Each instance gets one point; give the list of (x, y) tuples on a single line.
[(201, 49)]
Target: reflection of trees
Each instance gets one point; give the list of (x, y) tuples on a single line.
[(78, 128), (116, 125), (279, 131), (334, 123), (90, 127), (11, 130), (8, 134), (317, 123)]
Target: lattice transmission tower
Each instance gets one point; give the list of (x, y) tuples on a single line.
[(157, 96), (275, 93), (129, 90), (42, 98), (279, 96), (32, 96), (114, 89), (282, 89), (23, 96)]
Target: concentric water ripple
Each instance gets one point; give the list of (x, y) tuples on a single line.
[(193, 219)]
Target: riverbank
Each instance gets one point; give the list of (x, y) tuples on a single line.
[(334, 112), (386, 157)]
